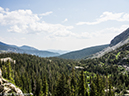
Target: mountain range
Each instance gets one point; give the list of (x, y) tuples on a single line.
[(26, 49), (91, 52), (52, 53)]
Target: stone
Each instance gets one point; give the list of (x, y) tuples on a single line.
[(7, 87), (1, 88)]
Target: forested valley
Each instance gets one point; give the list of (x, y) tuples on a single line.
[(104, 76)]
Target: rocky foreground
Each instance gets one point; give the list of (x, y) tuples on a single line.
[(7, 88)]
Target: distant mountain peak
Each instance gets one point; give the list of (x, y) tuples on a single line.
[(25, 47), (1, 43)]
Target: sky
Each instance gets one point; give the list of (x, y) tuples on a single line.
[(62, 24)]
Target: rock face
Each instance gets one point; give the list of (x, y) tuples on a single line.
[(117, 42), (6, 59), (6, 88), (121, 37)]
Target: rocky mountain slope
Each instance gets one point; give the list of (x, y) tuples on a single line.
[(121, 37), (117, 42)]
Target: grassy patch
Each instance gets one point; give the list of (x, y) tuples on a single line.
[(118, 55)]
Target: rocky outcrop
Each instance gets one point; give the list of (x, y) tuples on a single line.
[(121, 37), (117, 42), (8, 58), (7, 88), (79, 67)]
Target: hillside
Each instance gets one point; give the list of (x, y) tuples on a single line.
[(117, 42), (26, 49), (115, 63), (119, 57), (80, 54)]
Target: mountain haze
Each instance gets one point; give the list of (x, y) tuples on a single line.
[(26, 49), (58, 51)]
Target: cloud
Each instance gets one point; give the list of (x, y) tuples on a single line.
[(25, 21), (65, 20), (112, 31), (116, 29), (1, 9), (45, 14), (23, 38), (108, 16), (15, 28)]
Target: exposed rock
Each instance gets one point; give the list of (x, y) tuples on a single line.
[(6, 88), (8, 58), (78, 67), (121, 37), (1, 88), (117, 42)]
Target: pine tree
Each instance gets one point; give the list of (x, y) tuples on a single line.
[(82, 85), (33, 86), (93, 89), (73, 83), (110, 93), (4, 70), (40, 88), (106, 84), (45, 86), (62, 87), (100, 86), (7, 71), (67, 86)]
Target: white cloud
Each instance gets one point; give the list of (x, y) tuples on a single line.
[(25, 21), (19, 17), (1, 9), (112, 31), (65, 20), (15, 28), (45, 14), (116, 29), (108, 16), (23, 38)]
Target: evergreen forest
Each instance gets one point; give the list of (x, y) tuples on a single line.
[(53, 76)]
